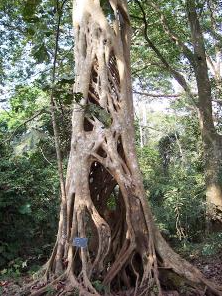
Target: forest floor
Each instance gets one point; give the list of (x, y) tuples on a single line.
[(211, 266)]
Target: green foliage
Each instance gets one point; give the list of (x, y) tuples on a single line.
[(28, 38), (28, 198), (75, 292), (29, 193), (100, 287), (155, 290), (28, 142), (176, 191), (50, 291), (25, 209), (93, 110), (107, 10), (14, 269), (30, 9), (78, 97), (40, 53), (210, 246)]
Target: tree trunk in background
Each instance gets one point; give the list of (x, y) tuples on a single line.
[(125, 249), (211, 140)]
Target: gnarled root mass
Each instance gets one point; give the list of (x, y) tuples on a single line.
[(105, 197)]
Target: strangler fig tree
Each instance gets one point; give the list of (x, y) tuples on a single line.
[(105, 199)]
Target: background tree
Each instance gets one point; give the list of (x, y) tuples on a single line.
[(174, 48)]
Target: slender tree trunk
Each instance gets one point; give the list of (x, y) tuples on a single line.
[(211, 140), (125, 248)]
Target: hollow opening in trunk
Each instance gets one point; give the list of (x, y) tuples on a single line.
[(101, 183), (107, 198), (114, 80), (93, 97), (92, 235), (77, 263), (101, 152), (137, 265), (88, 126), (114, 69), (121, 152)]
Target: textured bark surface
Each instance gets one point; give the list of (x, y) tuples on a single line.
[(212, 142), (125, 249)]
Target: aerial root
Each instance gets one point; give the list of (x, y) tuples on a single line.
[(123, 256), (71, 284), (46, 287), (50, 262), (84, 289)]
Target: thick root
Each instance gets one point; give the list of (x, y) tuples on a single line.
[(129, 251)]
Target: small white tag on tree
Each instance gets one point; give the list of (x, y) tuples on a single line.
[(80, 242)]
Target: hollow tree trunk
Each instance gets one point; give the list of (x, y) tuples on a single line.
[(125, 249), (211, 140)]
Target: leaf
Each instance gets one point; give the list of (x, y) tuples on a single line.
[(4, 271), (98, 112), (25, 209), (41, 54), (67, 79), (47, 33), (8, 255), (109, 13), (28, 12), (78, 97), (2, 262), (24, 264), (2, 249), (98, 286), (28, 142), (31, 31)]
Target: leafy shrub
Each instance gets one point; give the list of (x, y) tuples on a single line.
[(29, 200), (172, 168), (29, 188)]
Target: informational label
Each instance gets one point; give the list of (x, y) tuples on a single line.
[(80, 242)]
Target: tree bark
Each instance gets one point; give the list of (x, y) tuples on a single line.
[(211, 140), (125, 248)]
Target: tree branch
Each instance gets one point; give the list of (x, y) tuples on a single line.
[(153, 95), (217, 48), (26, 121), (169, 96), (173, 36), (145, 67), (55, 127), (179, 77), (135, 17)]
